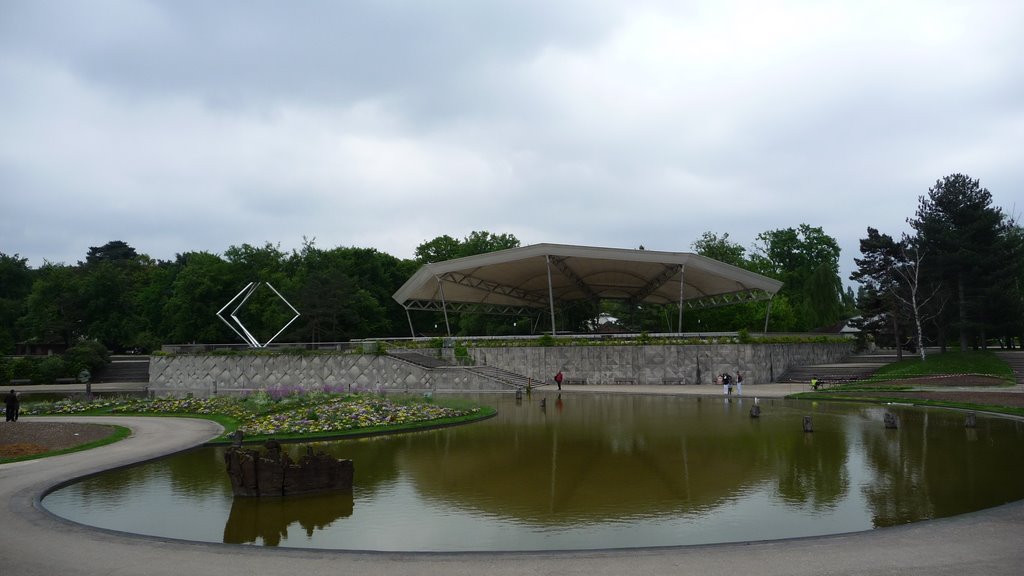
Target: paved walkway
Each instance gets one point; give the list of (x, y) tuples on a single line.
[(33, 542)]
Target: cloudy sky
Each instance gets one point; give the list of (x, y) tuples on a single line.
[(196, 125)]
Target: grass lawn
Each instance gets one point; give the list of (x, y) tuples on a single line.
[(950, 363), (952, 380)]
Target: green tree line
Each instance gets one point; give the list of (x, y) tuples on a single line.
[(956, 280), (126, 300)]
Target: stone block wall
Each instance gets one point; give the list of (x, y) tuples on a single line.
[(686, 364), (204, 375)]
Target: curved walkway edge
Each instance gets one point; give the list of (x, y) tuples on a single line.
[(34, 542)]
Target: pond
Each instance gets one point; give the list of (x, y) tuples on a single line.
[(590, 471)]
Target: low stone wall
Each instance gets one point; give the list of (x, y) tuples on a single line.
[(204, 375), (671, 364)]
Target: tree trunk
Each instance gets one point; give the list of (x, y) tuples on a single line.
[(896, 337), (917, 324), (962, 305)]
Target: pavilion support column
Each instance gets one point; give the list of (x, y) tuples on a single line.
[(551, 294), (444, 306), (409, 317), (682, 283), (767, 314)]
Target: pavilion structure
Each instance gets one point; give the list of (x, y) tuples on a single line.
[(543, 277)]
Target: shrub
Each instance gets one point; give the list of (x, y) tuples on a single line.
[(24, 368), (6, 369), (51, 368), (88, 354)]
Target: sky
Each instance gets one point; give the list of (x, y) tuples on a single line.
[(181, 125)]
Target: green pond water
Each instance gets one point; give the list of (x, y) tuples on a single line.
[(591, 471)]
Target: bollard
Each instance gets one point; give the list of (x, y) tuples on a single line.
[(971, 421), (891, 422), (755, 411), (808, 426)]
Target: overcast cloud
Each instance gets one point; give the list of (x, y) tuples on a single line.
[(179, 126)]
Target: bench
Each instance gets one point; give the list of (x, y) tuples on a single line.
[(66, 381), (625, 380), (577, 381), (18, 381), (673, 381)]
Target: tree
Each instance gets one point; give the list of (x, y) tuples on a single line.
[(438, 250), (15, 285), (892, 272), (874, 272), (720, 248), (444, 248), (1001, 306), (53, 307), (958, 227), (201, 288), (807, 261), (111, 251), (479, 242), (749, 316), (913, 296)]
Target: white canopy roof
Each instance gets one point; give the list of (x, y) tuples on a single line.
[(541, 276)]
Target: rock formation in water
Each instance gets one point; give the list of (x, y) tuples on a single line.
[(274, 473)]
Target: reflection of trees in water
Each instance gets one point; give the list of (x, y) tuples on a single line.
[(198, 472), (933, 467), (811, 466), (375, 458), (900, 491), (610, 458), (605, 458), (267, 519)]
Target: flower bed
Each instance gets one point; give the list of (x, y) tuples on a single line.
[(343, 414), (265, 414)]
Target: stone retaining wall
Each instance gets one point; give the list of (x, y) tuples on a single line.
[(204, 374), (687, 364)]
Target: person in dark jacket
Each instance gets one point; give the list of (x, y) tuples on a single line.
[(13, 405)]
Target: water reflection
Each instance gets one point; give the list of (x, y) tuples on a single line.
[(266, 520), (591, 472)]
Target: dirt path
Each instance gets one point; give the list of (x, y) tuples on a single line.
[(25, 438)]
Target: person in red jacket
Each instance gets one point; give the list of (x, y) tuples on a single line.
[(558, 379)]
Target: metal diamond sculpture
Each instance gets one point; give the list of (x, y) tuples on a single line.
[(236, 325)]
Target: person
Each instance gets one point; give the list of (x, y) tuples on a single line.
[(814, 382), (558, 379), (728, 383), (721, 382), (739, 383), (13, 406)]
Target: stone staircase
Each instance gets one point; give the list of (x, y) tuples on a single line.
[(1015, 358), (418, 358), (124, 368), (853, 367), (505, 377)]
